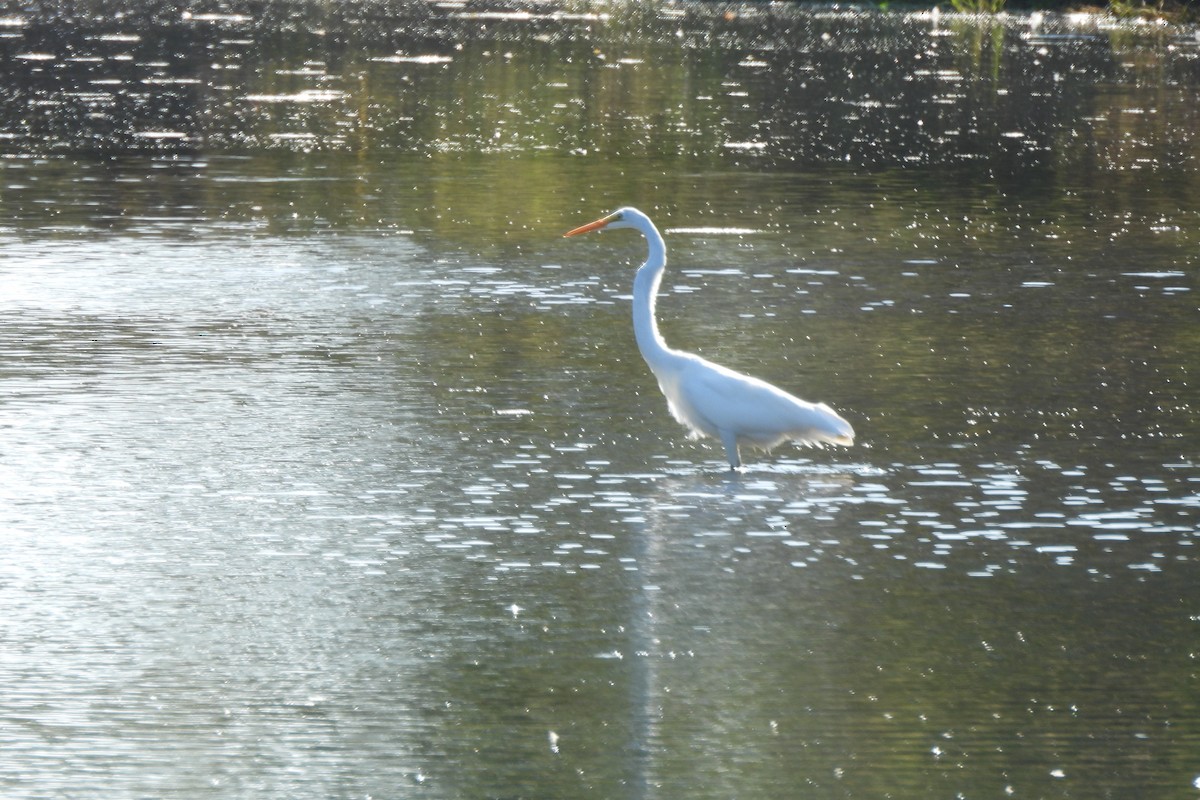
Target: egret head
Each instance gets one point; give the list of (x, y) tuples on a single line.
[(621, 218)]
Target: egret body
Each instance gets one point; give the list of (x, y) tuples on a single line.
[(709, 399)]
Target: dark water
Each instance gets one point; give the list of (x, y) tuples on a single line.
[(329, 469)]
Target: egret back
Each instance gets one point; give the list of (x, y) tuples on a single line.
[(713, 400)]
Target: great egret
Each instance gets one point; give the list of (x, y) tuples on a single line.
[(706, 397)]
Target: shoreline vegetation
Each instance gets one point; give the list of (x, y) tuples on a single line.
[(1170, 11)]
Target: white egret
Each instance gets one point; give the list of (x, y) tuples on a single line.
[(706, 397)]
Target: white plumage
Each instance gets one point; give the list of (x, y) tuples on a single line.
[(709, 399)]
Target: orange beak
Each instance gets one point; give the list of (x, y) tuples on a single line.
[(591, 226)]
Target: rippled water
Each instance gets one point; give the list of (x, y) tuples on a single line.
[(329, 469)]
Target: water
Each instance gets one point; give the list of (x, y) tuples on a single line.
[(328, 469)]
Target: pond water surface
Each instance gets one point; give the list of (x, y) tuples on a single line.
[(329, 469)]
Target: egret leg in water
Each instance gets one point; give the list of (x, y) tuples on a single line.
[(709, 399)]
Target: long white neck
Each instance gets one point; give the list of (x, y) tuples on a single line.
[(645, 292)]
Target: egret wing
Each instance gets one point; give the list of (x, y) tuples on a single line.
[(720, 399)]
